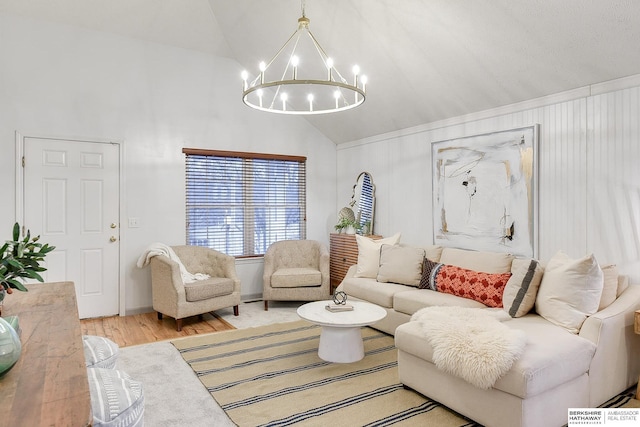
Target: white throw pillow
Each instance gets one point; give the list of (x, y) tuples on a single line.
[(610, 288), (369, 254), (400, 264), (570, 290)]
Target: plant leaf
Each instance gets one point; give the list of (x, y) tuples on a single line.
[(16, 231)]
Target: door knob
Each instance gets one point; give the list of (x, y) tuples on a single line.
[(113, 239), (113, 225)]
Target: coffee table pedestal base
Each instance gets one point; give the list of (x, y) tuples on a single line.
[(340, 344)]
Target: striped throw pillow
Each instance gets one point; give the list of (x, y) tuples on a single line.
[(522, 288)]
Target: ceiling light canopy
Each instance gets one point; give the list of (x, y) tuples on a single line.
[(302, 79)]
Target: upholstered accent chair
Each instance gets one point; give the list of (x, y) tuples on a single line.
[(173, 297), (295, 270)]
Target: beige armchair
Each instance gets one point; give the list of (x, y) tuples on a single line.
[(179, 300), (295, 270)]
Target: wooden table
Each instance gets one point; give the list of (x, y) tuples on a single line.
[(48, 385)]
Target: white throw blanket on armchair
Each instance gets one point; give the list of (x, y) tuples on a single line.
[(471, 343), (156, 249)]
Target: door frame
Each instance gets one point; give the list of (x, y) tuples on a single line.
[(19, 192)]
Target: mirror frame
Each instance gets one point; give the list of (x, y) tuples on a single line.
[(356, 199)]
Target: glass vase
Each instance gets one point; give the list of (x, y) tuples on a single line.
[(10, 347)]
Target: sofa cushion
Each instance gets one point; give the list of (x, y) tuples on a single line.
[(488, 262), (295, 278), (519, 295), (413, 300), (400, 264), (369, 254), (483, 287), (570, 290), (373, 291), (610, 286), (209, 288), (432, 252), (552, 356)]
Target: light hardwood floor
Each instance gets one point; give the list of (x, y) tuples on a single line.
[(146, 328)]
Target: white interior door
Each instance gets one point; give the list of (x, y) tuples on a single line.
[(71, 198)]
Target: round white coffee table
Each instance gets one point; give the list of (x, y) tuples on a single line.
[(341, 339)]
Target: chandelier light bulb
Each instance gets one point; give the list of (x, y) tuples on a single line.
[(356, 70), (310, 99), (294, 62), (262, 67), (245, 75), (260, 92)]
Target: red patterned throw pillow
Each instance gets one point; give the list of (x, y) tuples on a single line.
[(486, 288)]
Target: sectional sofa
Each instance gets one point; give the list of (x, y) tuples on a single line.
[(559, 336)]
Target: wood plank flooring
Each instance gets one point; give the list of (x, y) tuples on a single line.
[(146, 328)]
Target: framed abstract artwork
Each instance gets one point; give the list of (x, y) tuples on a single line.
[(485, 192)]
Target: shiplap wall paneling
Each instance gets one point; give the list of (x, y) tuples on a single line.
[(562, 179), (614, 180)]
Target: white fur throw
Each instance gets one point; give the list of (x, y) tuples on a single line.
[(471, 343)]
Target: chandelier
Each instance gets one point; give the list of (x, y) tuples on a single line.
[(302, 79)]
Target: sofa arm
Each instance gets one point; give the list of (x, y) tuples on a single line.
[(350, 273), (615, 365), (166, 279)]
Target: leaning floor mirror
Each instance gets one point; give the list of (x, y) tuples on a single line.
[(363, 203)]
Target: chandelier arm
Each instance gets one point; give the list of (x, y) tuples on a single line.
[(324, 55), (284, 73), (281, 49), (295, 46), (319, 48)]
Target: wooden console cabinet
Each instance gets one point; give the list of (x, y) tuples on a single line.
[(343, 254), (48, 385)]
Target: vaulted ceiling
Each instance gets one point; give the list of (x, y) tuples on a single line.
[(426, 60)]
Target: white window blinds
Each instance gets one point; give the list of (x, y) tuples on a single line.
[(240, 203)]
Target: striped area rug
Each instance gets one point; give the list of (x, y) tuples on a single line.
[(272, 376)]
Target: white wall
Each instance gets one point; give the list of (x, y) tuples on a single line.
[(588, 169), (69, 82)]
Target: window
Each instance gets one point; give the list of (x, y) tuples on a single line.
[(240, 203)]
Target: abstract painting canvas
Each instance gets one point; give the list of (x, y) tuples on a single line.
[(484, 191)]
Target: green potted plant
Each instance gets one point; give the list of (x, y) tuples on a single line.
[(20, 259), (347, 225)]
